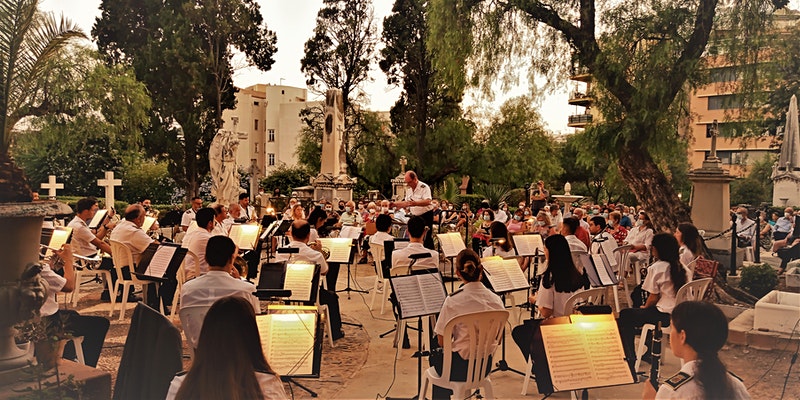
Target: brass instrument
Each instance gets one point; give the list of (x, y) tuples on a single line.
[(49, 255)]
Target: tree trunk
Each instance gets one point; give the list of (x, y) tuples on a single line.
[(652, 188)]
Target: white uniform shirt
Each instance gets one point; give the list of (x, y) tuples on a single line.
[(82, 238), (127, 233), (689, 388), (550, 298), (421, 192), (575, 244), (602, 237), (637, 236), (380, 237), (55, 283), (188, 216), (472, 297), (658, 281), (306, 254), (214, 285), (271, 386), (198, 246), (686, 256), (400, 257), (498, 251)]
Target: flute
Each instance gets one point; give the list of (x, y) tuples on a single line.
[(655, 350)]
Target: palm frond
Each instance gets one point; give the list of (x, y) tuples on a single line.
[(28, 39)]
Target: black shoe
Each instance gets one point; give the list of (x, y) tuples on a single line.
[(105, 296)]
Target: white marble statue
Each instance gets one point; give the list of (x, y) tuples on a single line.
[(224, 173)]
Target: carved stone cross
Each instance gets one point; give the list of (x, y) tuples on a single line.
[(403, 162), (109, 183), (51, 187)]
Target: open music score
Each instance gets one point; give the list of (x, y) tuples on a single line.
[(527, 245), (350, 232), (98, 219), (300, 280), (598, 269), (584, 351), (160, 261), (339, 248), (244, 235), (504, 275), (451, 243), (609, 245), (420, 294), (148, 223), (289, 339)]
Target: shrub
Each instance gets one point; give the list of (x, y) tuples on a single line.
[(758, 279)]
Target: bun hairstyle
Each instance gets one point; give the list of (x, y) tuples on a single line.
[(706, 329), (468, 265)]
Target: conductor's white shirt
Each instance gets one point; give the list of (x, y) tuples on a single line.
[(421, 192)]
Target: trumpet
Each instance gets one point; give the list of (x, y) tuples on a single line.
[(48, 254)]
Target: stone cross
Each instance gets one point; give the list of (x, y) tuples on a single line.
[(51, 187), (403, 162), (712, 155), (109, 183)]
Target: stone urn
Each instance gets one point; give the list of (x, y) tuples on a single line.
[(22, 291)]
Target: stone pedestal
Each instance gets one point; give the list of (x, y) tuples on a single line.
[(332, 181), (399, 187), (711, 199)]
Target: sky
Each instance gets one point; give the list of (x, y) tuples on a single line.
[(293, 21)]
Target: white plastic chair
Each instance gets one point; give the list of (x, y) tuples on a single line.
[(622, 253), (484, 330), (692, 291), (122, 257), (382, 285), (181, 277), (191, 323), (77, 341), (82, 267)]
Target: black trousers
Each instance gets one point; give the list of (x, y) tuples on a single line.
[(332, 276), (331, 299), (632, 318), (93, 329), (523, 336), (458, 371), (428, 241), (788, 254)]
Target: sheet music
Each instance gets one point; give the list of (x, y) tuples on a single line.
[(59, 237), (148, 223), (98, 218), (451, 243), (527, 245), (600, 262), (350, 232), (288, 341), (504, 275), (608, 249), (299, 279), (160, 261), (419, 295), (244, 236), (400, 244), (339, 249), (585, 353), (270, 230)]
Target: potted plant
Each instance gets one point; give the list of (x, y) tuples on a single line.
[(29, 40)]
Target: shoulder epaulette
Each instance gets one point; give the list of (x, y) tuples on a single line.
[(423, 185), (736, 376), (188, 211), (677, 380), (182, 373)]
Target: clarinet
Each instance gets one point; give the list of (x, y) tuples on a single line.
[(655, 349)]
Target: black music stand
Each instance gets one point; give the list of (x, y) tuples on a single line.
[(502, 364), (413, 258), (419, 353), (349, 289)]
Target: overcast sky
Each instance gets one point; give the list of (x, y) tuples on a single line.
[(293, 21)]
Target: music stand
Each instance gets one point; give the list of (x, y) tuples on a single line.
[(425, 284), (505, 278), (413, 258), (349, 262)]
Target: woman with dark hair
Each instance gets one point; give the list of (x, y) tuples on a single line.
[(697, 333), (640, 237), (481, 236), (500, 241), (691, 244), (516, 224), (225, 368), (560, 281), (472, 297), (664, 277)]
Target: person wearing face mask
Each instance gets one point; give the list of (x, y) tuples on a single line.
[(372, 213), (542, 224), (745, 228), (615, 229), (516, 225), (784, 224), (501, 214), (349, 217), (481, 236), (556, 218), (641, 238), (385, 207)]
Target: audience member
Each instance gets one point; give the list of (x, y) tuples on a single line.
[(640, 237), (615, 228)]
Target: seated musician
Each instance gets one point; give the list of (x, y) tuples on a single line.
[(93, 329), (416, 232), (560, 281), (299, 239), (473, 296), (383, 225), (697, 332)]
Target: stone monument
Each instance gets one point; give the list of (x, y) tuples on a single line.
[(786, 172), (399, 181), (222, 162), (333, 181), (711, 199), (109, 183)]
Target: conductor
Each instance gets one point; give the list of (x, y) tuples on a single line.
[(418, 200)]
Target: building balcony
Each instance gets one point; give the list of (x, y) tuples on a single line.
[(579, 120), (580, 99), (580, 74)]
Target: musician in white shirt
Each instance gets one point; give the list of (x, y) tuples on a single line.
[(416, 230)]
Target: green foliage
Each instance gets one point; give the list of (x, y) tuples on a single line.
[(758, 279), (756, 188), (286, 179), (474, 201), (493, 192), (151, 179), (447, 190), (182, 51), (514, 139)]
